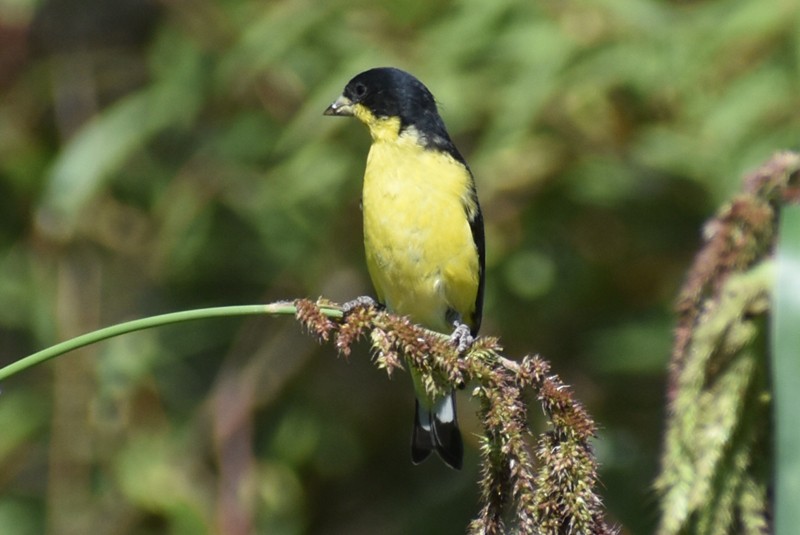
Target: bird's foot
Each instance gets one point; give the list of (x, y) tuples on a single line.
[(363, 301), (461, 337)]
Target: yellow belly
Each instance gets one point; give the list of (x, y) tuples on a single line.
[(420, 251)]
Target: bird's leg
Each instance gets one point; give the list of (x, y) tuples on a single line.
[(363, 301), (461, 337)]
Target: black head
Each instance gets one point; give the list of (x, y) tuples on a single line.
[(388, 92)]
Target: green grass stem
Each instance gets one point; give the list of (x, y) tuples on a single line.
[(272, 309)]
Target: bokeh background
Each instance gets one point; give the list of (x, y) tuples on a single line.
[(165, 155)]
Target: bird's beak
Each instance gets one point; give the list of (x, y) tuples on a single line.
[(343, 107)]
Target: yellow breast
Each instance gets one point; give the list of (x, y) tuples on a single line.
[(420, 251)]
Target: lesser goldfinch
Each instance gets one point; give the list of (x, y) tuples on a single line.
[(423, 229)]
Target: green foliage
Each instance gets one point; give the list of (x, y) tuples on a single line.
[(716, 440), (717, 454), (164, 156)]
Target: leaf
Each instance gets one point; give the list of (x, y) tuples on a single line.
[(786, 373)]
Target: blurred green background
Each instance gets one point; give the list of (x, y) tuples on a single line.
[(158, 156)]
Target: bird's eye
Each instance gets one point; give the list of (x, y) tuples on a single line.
[(360, 90)]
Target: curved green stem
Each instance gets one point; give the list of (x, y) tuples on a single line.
[(282, 308)]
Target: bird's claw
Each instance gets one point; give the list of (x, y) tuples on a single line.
[(461, 337), (363, 301)]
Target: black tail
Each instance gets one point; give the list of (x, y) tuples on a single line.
[(437, 429)]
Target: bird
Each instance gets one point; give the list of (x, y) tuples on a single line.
[(423, 230)]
